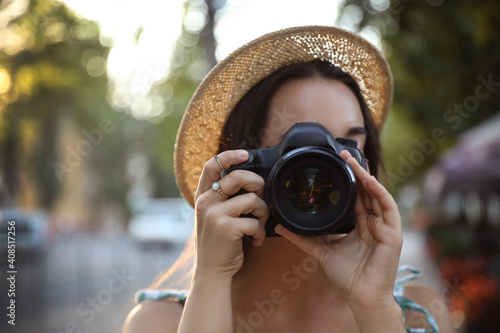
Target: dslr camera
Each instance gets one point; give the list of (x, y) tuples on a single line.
[(310, 189)]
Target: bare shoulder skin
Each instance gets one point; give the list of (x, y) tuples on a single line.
[(164, 317), (154, 317), (433, 302)]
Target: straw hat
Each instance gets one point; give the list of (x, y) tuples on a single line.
[(217, 95)]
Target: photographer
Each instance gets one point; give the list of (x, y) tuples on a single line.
[(335, 272)]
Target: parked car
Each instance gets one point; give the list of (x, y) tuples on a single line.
[(160, 221), (31, 232)]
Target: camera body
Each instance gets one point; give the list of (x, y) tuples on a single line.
[(310, 189)]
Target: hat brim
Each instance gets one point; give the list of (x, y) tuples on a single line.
[(222, 88)]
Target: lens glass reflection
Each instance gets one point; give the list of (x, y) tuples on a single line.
[(311, 191)]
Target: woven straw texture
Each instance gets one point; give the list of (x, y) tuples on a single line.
[(220, 91)]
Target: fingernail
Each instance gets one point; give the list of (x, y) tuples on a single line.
[(348, 153), (242, 153)]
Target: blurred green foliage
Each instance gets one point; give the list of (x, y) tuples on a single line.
[(193, 57), (53, 80), (53, 68), (438, 52)]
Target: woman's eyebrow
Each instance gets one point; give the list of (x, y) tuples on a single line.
[(357, 130)]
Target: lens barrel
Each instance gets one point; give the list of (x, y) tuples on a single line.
[(311, 191)]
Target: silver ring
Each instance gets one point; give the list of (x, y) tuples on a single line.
[(216, 187), (217, 159)]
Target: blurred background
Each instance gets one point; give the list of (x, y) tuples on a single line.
[(91, 96)]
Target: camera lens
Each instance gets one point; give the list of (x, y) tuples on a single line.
[(311, 191)]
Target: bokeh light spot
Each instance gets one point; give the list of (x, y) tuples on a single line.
[(5, 81)]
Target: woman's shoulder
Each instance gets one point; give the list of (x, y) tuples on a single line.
[(157, 310), (154, 316), (433, 302)]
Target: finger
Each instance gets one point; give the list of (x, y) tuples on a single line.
[(211, 170), (248, 203), (379, 192), (373, 205), (360, 173), (243, 179), (253, 228), (363, 203), (385, 202), (370, 200), (310, 245)]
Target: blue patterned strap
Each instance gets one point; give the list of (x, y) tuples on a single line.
[(174, 295), (405, 303)]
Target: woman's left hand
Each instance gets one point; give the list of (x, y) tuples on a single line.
[(363, 264)]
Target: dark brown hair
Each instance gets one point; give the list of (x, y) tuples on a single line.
[(244, 126)]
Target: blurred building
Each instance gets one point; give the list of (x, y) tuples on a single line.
[(465, 185), (462, 199)]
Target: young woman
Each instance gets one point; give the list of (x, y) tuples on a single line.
[(246, 282)]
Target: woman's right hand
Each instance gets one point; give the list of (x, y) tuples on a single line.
[(218, 241), (219, 227)]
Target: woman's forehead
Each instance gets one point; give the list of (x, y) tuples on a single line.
[(327, 101)]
